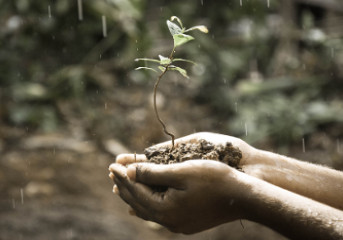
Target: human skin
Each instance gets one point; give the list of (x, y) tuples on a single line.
[(202, 194), (313, 181)]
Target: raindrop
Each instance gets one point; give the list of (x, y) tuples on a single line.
[(13, 203), (236, 106), (100, 56), (268, 3), (54, 151), (79, 8), (202, 2), (240, 2), (303, 142), (49, 11), (104, 26), (105, 105), (246, 129), (332, 52), (22, 195), (224, 80)]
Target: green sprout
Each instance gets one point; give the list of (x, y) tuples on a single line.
[(167, 63)]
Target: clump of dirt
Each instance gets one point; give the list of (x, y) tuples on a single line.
[(198, 150)]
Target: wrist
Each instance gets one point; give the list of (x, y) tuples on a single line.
[(238, 196)]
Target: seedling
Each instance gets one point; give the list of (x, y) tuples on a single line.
[(166, 64)]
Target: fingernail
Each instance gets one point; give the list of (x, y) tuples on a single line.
[(115, 189), (111, 175), (131, 172)]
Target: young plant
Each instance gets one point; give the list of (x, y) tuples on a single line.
[(166, 64)]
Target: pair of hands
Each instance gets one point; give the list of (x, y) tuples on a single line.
[(199, 194)]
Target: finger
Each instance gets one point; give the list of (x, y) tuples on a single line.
[(115, 189), (138, 198), (111, 175), (127, 197), (129, 158), (118, 170), (157, 174)]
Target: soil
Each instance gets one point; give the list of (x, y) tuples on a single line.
[(198, 150)]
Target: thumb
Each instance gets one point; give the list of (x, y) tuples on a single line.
[(157, 175)]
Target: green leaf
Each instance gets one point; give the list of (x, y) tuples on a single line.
[(145, 68), (201, 28), (147, 59), (183, 60), (180, 39), (180, 70), (173, 28), (177, 19), (164, 60)]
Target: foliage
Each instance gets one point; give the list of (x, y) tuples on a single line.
[(166, 63), (249, 72)]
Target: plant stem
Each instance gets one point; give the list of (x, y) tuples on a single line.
[(155, 106)]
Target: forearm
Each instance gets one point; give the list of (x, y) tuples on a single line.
[(292, 215), (313, 181)]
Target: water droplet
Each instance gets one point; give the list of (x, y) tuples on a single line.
[(240, 2), (13, 203), (106, 106), (303, 142), (49, 11), (22, 195), (236, 106), (202, 2), (79, 8), (246, 129), (332, 52), (268, 3), (104, 26)]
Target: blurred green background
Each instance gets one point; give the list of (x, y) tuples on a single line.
[(270, 72)]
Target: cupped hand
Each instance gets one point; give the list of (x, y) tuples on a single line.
[(197, 195), (214, 138)]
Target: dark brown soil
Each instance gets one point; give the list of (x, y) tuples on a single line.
[(199, 150)]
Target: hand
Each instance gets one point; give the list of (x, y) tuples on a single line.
[(216, 139), (199, 194)]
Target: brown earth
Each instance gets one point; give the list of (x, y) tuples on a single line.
[(198, 150)]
